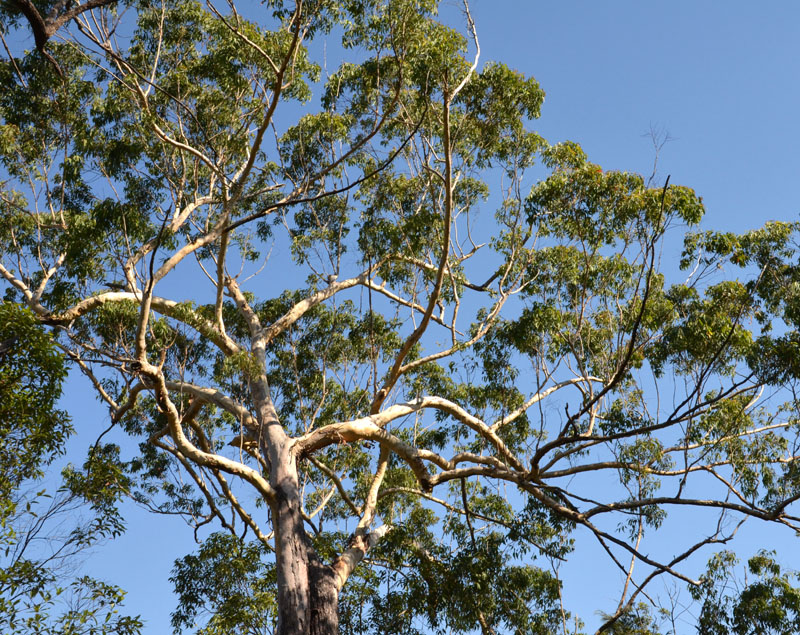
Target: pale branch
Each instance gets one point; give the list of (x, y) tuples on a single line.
[(474, 65), (189, 450), (629, 574), (297, 311), (216, 397), (238, 181), (371, 500), (130, 402), (359, 546), (349, 430), (712, 442), (623, 364), (175, 310), (180, 218), (322, 504), (381, 288), (295, 198), (486, 629), (458, 278), (85, 306), (166, 138), (241, 36), (265, 539), (199, 482), (253, 323), (458, 413), (365, 429), (21, 286), (226, 490), (368, 428), (514, 414), (92, 377), (452, 473), (212, 236), (157, 56), (396, 370), (469, 457), (482, 330), (220, 282), (37, 295)]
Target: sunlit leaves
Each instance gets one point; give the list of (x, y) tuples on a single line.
[(32, 428), (388, 205), (767, 602), (226, 587), (41, 531)]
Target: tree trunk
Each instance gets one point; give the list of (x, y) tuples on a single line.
[(308, 601), (324, 599)]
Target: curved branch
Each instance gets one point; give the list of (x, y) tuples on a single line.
[(301, 308), (175, 310), (511, 416), (217, 398), (367, 429), (693, 502), (397, 368), (189, 450), (337, 482)]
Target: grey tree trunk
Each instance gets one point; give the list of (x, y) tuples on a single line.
[(308, 601)]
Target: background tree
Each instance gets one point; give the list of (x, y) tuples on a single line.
[(290, 291), (44, 533)]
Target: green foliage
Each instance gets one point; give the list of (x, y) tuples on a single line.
[(96, 607), (636, 620), (227, 582), (35, 597), (32, 429), (766, 603), (449, 590)]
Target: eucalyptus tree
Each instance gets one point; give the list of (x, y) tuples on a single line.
[(44, 532), (345, 302)]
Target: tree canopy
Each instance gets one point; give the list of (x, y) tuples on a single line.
[(390, 351), (44, 529)]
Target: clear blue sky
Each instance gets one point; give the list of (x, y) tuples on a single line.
[(721, 78)]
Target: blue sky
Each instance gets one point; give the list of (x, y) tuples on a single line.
[(721, 79)]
